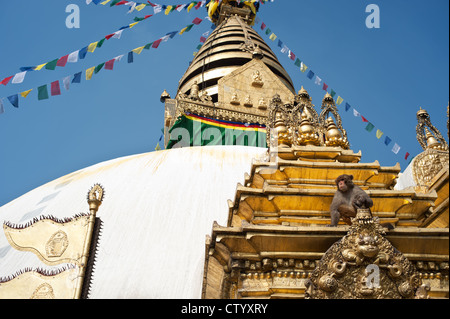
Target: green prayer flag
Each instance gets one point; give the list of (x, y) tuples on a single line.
[(42, 92), (370, 127), (148, 46), (298, 62), (268, 31), (100, 43), (113, 3), (189, 27), (333, 93), (51, 65), (99, 67)]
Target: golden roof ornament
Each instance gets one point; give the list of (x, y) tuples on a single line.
[(429, 136), (164, 96), (335, 134), (307, 134)]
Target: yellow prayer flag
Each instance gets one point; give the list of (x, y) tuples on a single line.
[(138, 50), (169, 8), (92, 47), (183, 30), (273, 37), (133, 24), (140, 7), (303, 68), (39, 67), (379, 134), (192, 5), (339, 100), (25, 93), (105, 2), (212, 8), (89, 73)]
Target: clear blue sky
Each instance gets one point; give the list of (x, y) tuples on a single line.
[(386, 74)]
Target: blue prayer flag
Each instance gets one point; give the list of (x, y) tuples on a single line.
[(14, 99), (387, 141), (310, 74), (77, 78), (130, 57), (82, 53)]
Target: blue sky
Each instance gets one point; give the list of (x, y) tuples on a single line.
[(386, 74)]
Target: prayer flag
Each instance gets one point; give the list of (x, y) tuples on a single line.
[(197, 21), (66, 82), (140, 7), (2, 109), (263, 26), (39, 67), (291, 55), (273, 37), (51, 65), (133, 24), (318, 80), (310, 74), (191, 6), (298, 62), (155, 44), (364, 119), (89, 73), (110, 64), (347, 107), (168, 10), (406, 156), (54, 88), (325, 87), (25, 93), (14, 99), (77, 78), (99, 67), (130, 57), (387, 141), (370, 127), (333, 93), (379, 134), (42, 92), (356, 113), (82, 53), (62, 61), (100, 43), (73, 57), (303, 68), (339, 100), (91, 48), (6, 80), (396, 148), (19, 77), (138, 50)]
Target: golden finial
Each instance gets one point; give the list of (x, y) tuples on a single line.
[(164, 96)]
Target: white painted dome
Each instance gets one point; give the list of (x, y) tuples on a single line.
[(156, 214)]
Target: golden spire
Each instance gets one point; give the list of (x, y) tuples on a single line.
[(429, 136)]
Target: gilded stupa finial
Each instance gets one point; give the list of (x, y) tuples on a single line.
[(429, 136)]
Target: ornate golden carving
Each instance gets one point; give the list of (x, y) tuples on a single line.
[(44, 291), (365, 265), (334, 132), (57, 244), (427, 165), (257, 79)]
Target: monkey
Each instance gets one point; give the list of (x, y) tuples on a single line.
[(347, 200)]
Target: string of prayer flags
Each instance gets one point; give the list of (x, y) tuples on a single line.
[(55, 88)]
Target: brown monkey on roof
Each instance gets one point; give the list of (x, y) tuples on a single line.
[(347, 200)]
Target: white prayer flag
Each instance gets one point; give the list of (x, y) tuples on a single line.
[(118, 58), (73, 57), (2, 109), (318, 80), (181, 7), (356, 113), (117, 34), (19, 77), (66, 82), (396, 148), (157, 9), (284, 49)]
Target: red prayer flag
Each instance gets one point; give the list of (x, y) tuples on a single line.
[(155, 44), (62, 61), (202, 39), (6, 80), (148, 16), (407, 155), (109, 36), (153, 5), (198, 5), (121, 2), (364, 119), (325, 87), (263, 26), (54, 88), (110, 64), (197, 21)]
